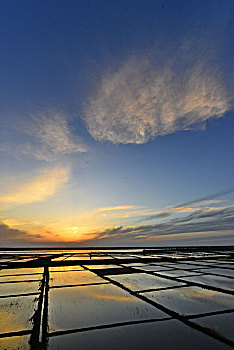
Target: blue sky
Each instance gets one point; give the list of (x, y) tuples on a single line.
[(116, 123)]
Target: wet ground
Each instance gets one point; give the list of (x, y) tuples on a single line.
[(171, 298)]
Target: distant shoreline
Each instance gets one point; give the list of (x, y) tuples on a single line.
[(213, 247)]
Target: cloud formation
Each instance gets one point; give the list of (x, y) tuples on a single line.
[(203, 203), (207, 199), (117, 208), (45, 137), (36, 189), (204, 220), (17, 236), (53, 138), (8, 234), (139, 101)]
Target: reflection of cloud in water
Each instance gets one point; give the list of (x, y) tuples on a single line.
[(192, 300), (86, 306), (113, 297), (204, 295), (103, 294)]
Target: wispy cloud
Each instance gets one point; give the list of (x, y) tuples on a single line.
[(140, 101), (47, 137), (36, 189), (207, 199), (53, 137), (118, 208), (205, 215), (193, 206), (100, 218), (205, 220)]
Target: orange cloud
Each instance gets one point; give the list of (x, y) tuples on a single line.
[(36, 189), (120, 207)]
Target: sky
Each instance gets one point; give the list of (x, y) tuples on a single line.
[(116, 123)]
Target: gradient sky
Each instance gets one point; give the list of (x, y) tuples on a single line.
[(116, 123)]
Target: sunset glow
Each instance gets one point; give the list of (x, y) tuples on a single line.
[(116, 130)]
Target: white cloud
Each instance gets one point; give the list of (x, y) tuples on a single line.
[(44, 137), (138, 102), (53, 138)]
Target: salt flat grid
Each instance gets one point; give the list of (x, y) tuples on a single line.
[(127, 298)]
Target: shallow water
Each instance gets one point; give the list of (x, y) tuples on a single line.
[(75, 297), (223, 324), (192, 300), (73, 278), (20, 278), (19, 288), (22, 271), (15, 343), (164, 335), (143, 281), (77, 307), (214, 281), (16, 312)]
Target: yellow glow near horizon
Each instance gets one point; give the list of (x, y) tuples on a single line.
[(80, 226)]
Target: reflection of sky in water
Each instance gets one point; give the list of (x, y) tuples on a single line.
[(79, 257), (36, 277), (73, 278), (153, 268), (127, 258), (222, 324), (65, 268), (177, 273), (15, 313), (136, 281), (215, 281), (220, 271), (13, 343), (162, 335), (229, 265), (105, 304), (19, 288), (94, 267), (181, 266), (192, 300), (76, 307), (133, 264), (24, 271)]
